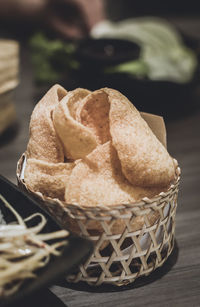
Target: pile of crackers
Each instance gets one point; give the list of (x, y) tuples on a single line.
[(94, 148), (9, 67)]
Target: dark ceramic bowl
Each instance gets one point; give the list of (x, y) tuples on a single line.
[(105, 51), (74, 253)]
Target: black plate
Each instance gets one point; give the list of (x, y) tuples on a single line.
[(76, 251)]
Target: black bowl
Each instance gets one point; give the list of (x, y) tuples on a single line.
[(105, 51), (74, 253)]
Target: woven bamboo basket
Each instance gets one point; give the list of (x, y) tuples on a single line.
[(118, 258)]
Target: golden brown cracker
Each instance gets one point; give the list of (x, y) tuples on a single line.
[(74, 99), (77, 140), (50, 179), (98, 180), (43, 141), (145, 161), (94, 114)]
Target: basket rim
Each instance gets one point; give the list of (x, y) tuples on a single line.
[(102, 208)]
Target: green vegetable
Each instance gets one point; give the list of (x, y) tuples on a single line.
[(137, 68), (51, 58)]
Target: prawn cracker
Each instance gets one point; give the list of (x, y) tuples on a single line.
[(98, 180), (43, 141), (77, 140), (94, 114), (145, 161), (50, 179)]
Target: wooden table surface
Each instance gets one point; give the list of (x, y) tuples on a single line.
[(177, 283)]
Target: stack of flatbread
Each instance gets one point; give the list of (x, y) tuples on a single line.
[(94, 148), (9, 63)]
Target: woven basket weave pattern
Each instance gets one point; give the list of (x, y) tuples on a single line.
[(119, 258)]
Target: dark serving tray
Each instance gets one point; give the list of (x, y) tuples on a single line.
[(74, 253)]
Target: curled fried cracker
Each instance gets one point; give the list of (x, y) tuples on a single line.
[(94, 114), (75, 99), (145, 161), (43, 141), (50, 179), (98, 180), (77, 140)]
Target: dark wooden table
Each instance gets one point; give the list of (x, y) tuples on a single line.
[(178, 282)]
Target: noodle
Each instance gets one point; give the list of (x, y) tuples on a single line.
[(23, 250)]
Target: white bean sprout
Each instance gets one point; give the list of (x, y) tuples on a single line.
[(24, 249)]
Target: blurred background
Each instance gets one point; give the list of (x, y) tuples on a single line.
[(149, 50)]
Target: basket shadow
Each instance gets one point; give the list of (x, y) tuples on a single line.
[(140, 282)]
